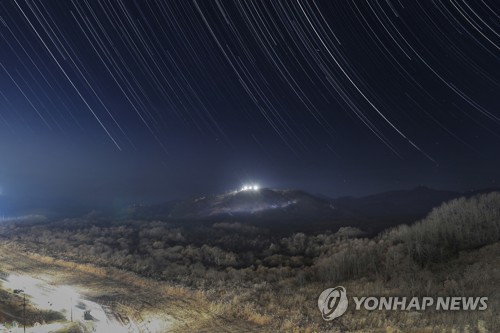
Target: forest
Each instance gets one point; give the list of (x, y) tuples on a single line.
[(239, 266)]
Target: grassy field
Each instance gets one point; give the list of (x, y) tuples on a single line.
[(239, 278), (271, 308), (150, 304)]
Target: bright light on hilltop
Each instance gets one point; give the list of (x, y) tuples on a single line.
[(251, 187)]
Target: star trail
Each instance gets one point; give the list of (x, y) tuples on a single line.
[(182, 97)]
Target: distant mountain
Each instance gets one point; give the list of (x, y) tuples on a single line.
[(272, 208), (415, 202), (300, 210), (262, 204), (377, 212)]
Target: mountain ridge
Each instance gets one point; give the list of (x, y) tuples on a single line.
[(282, 204)]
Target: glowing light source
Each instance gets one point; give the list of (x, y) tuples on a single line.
[(251, 187)]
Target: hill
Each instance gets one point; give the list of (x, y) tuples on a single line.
[(297, 210)]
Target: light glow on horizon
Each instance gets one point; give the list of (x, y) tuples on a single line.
[(250, 187)]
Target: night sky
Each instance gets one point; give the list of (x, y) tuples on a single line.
[(117, 101)]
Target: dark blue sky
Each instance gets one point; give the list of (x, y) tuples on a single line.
[(118, 101)]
